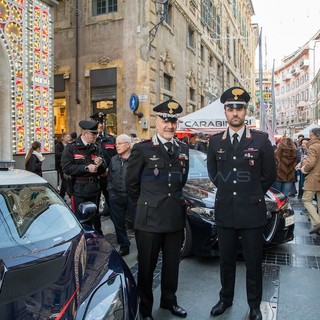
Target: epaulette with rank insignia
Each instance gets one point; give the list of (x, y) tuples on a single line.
[(144, 141), (256, 130), (219, 132)]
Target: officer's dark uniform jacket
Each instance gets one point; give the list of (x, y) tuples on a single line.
[(154, 181), (242, 178), (59, 147), (75, 157)]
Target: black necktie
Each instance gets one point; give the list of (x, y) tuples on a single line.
[(169, 146), (235, 141)]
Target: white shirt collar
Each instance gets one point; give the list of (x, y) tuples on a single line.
[(84, 142), (163, 141), (240, 133)]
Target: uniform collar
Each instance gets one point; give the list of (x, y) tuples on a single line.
[(240, 132), (156, 138), (85, 143), (163, 141), (246, 130)]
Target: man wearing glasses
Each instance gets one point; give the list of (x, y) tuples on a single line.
[(119, 201), (82, 163)]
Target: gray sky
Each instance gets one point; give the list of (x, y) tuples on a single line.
[(286, 26)]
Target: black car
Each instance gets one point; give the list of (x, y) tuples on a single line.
[(201, 231), (52, 267)]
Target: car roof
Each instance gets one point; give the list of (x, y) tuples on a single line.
[(197, 152), (19, 177)]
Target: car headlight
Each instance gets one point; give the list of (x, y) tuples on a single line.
[(107, 301), (275, 206), (205, 213)]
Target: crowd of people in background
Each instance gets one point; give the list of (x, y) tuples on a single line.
[(298, 163), (289, 154)]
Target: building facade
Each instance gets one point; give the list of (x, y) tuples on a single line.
[(295, 101), (108, 50), (26, 79), (315, 84)]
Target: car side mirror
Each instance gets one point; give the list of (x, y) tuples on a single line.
[(86, 211)]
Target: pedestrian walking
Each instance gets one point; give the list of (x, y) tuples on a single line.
[(311, 168), (82, 162), (34, 159), (286, 161), (241, 164), (120, 203), (201, 143), (156, 173), (302, 155)]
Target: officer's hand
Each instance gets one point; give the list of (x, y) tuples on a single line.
[(92, 168), (98, 161)]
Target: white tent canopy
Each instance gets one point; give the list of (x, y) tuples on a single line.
[(208, 120), (305, 131)]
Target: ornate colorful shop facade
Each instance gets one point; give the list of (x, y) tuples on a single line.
[(26, 78)]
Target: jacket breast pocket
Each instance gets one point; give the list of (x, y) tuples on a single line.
[(155, 163), (257, 199), (251, 155)]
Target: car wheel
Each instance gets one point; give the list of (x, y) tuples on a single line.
[(187, 241)]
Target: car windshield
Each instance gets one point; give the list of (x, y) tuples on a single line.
[(31, 213), (197, 165)]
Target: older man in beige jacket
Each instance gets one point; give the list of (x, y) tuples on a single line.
[(311, 167)]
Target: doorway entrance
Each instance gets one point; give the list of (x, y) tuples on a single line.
[(60, 118), (109, 108)]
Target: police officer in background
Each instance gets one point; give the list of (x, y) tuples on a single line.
[(59, 147), (241, 164), (83, 163), (156, 173), (107, 144)]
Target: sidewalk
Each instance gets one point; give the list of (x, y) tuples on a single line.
[(291, 279)]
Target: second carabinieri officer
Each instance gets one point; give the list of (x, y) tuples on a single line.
[(156, 173), (241, 164), (82, 163)]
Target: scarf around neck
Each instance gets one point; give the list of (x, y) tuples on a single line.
[(38, 155)]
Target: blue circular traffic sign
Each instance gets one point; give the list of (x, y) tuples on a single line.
[(134, 102)]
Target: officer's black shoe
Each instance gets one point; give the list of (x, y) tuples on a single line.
[(220, 308), (315, 229), (175, 310), (124, 252), (255, 314)]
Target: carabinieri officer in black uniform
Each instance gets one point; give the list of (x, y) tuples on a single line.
[(82, 162), (156, 173), (241, 164)]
